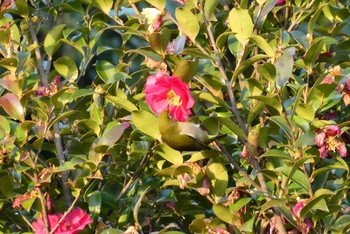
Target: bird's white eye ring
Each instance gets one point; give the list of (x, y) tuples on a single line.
[(169, 116)]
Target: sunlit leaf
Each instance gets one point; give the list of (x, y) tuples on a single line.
[(12, 105)]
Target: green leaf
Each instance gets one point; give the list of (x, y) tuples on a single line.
[(95, 201), (160, 4), (12, 106), (283, 124), (247, 63), (312, 53), (22, 8), (284, 68), (270, 101), (81, 93), (278, 154), (318, 197), (255, 112), (188, 22), (7, 185), (241, 24), (262, 44), (209, 7), (218, 176), (237, 205), (233, 127), (120, 102), (104, 5), (298, 176), (10, 64), (186, 70), (67, 68), (306, 111), (4, 127), (268, 71), (51, 41), (313, 20), (146, 123), (61, 116), (169, 154), (224, 214), (105, 70), (109, 138)]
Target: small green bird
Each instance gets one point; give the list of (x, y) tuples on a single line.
[(183, 136)]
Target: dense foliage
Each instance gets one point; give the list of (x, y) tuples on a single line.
[(80, 144)]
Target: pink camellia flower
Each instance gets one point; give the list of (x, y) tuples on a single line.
[(165, 92), (74, 222), (306, 224), (328, 140)]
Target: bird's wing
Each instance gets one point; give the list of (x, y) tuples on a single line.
[(193, 131)]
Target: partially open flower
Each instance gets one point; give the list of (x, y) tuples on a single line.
[(305, 224), (169, 93), (153, 18), (328, 140), (74, 222)]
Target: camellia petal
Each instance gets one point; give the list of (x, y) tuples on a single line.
[(319, 139), (165, 92), (342, 149)]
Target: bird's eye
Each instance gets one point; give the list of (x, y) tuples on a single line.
[(169, 116)]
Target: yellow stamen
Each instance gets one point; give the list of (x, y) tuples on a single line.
[(332, 143), (173, 99)]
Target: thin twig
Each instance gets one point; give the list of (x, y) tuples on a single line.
[(65, 214), (234, 108), (45, 82), (143, 164)]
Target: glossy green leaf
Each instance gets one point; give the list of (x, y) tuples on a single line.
[(284, 68), (241, 24), (12, 105), (218, 176), (95, 202), (186, 70), (318, 197), (109, 138), (112, 231), (270, 101), (7, 185), (233, 127), (209, 8), (247, 63), (224, 214), (22, 7), (146, 123), (160, 4), (262, 44), (283, 124), (305, 111), (169, 154), (278, 154), (51, 42), (67, 68), (188, 22), (81, 93), (313, 53), (268, 71), (122, 103), (297, 177), (255, 112), (104, 5)]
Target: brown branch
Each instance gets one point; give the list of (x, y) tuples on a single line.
[(219, 64), (45, 82)]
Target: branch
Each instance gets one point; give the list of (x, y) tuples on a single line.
[(234, 108), (45, 82)]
